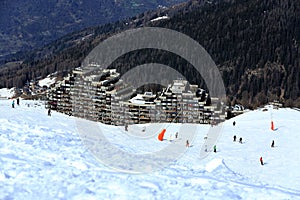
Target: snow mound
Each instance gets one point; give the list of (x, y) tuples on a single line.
[(212, 165)]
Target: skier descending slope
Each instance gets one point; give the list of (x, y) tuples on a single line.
[(234, 138), (241, 140), (187, 144), (261, 161)]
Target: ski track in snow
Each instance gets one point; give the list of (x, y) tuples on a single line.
[(43, 157)]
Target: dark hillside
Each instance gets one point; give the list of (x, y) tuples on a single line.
[(255, 44), (30, 24)]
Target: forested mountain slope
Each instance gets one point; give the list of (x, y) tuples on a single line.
[(26, 25), (255, 44)]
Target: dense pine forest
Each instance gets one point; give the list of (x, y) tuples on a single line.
[(255, 44)]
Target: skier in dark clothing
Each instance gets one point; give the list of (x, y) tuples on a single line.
[(18, 101), (187, 144), (176, 135), (234, 138), (233, 123), (126, 127), (13, 104), (261, 161), (215, 148), (241, 140), (49, 112), (272, 145)]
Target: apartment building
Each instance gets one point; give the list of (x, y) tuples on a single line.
[(100, 95)]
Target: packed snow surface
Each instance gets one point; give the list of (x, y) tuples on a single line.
[(43, 157)]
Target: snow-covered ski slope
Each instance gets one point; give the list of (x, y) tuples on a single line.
[(43, 157)]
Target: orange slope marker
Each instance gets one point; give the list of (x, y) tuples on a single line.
[(272, 126), (161, 135)]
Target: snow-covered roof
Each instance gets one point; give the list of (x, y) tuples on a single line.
[(138, 99)]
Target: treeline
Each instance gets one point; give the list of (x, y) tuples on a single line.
[(255, 44)]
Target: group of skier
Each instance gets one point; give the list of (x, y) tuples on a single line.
[(240, 141), (18, 103), (234, 137), (13, 103)]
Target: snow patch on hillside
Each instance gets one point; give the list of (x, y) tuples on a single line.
[(47, 81), (160, 18), (7, 93)]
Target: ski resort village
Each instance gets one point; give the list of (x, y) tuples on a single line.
[(45, 155), (106, 98), (150, 100)]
